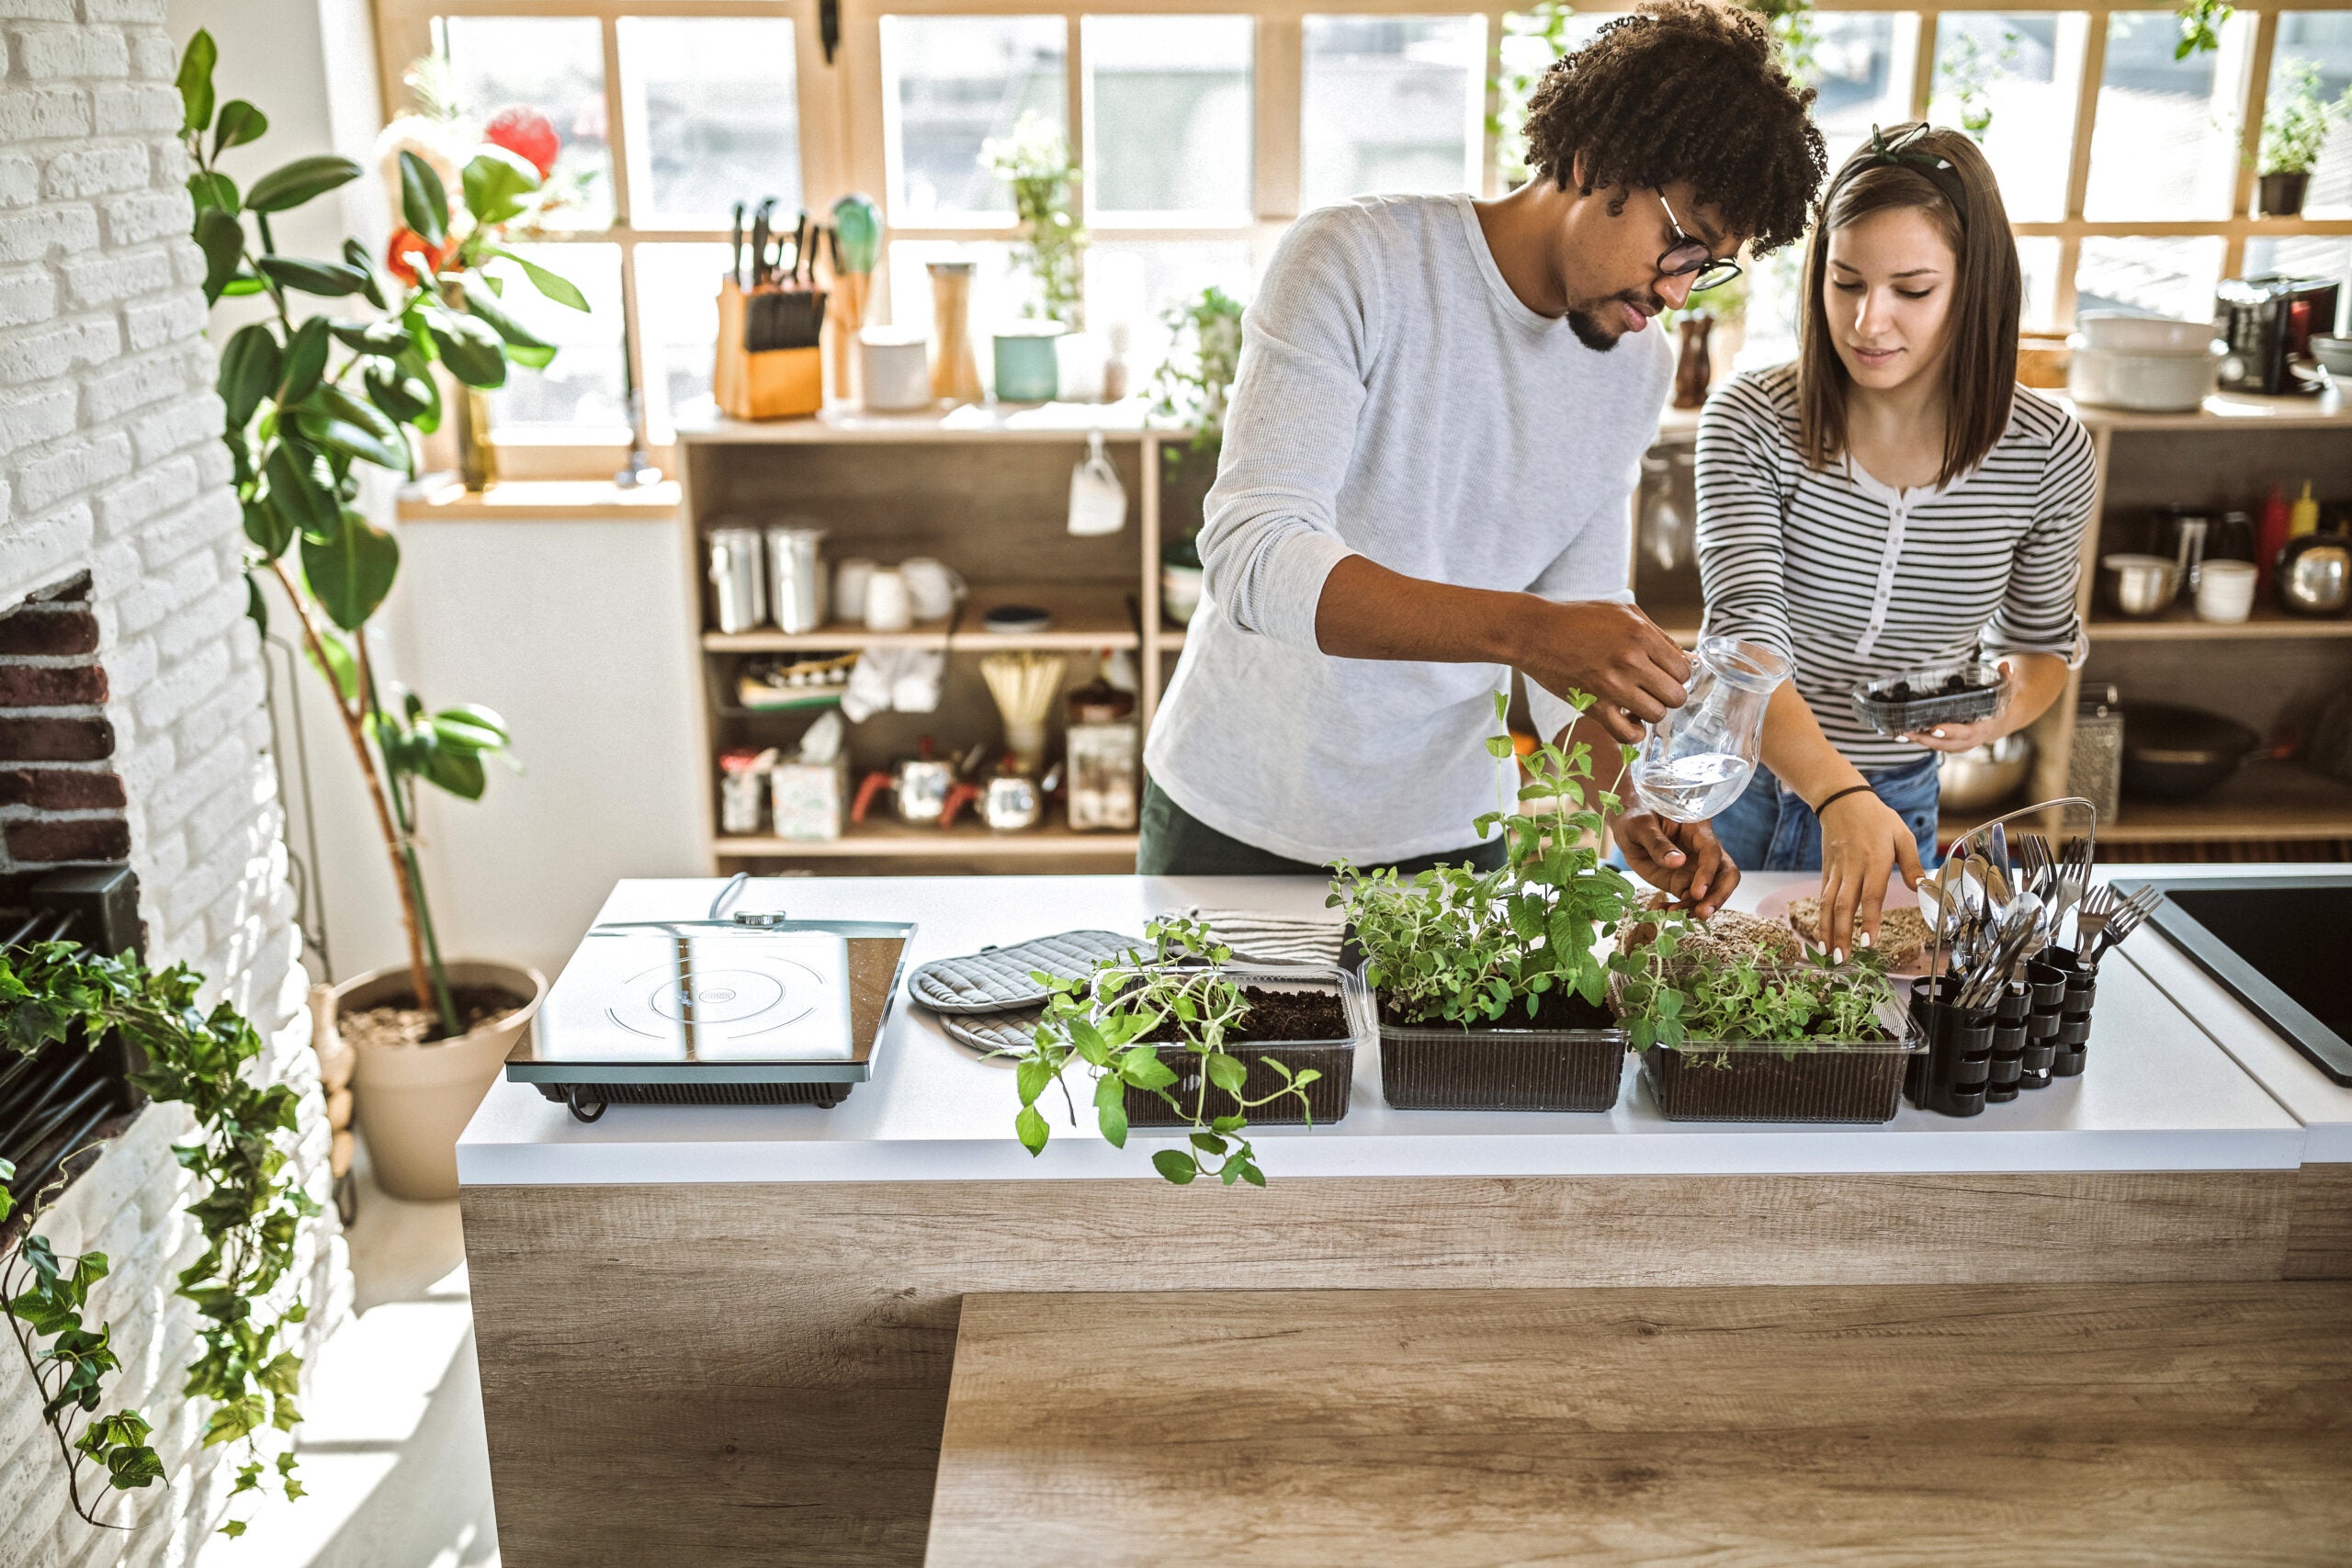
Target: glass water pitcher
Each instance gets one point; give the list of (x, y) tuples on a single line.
[(1696, 759)]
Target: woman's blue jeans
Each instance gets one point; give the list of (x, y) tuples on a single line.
[(1770, 828)]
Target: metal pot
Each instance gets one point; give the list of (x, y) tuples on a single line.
[(2314, 574), (1983, 775), (2176, 753), (2141, 585)]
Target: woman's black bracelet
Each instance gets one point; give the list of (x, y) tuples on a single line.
[(1849, 789)]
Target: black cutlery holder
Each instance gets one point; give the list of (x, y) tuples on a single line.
[(1960, 1050)]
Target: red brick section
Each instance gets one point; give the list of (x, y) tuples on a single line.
[(62, 789), (51, 686), (98, 838), (41, 632), (55, 739)]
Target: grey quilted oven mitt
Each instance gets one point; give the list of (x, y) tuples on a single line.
[(997, 979)]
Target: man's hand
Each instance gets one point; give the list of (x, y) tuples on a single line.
[(1680, 858), (1633, 670)]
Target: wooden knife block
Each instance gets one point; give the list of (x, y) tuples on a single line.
[(778, 383)]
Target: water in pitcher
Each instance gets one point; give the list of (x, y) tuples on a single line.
[(1694, 787)]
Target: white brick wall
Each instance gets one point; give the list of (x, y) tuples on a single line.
[(110, 463)]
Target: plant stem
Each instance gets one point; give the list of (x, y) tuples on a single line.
[(438, 997), (355, 726)]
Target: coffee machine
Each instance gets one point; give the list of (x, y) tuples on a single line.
[(2267, 323)]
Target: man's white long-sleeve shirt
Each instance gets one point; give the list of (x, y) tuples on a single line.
[(1394, 399)]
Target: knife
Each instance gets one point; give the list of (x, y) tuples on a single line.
[(799, 250), (735, 239), (760, 231)]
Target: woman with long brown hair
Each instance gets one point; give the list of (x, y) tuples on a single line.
[(1891, 501)]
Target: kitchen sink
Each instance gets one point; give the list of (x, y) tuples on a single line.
[(2280, 944)]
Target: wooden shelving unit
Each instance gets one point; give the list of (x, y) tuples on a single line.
[(2180, 624), (985, 489)]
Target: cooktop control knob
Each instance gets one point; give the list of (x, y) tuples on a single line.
[(761, 917)]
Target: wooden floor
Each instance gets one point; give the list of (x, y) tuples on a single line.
[(2057, 1426)]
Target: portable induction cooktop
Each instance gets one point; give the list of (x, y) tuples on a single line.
[(751, 1006)]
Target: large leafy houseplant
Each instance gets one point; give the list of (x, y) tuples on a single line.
[(311, 403), (246, 1205)]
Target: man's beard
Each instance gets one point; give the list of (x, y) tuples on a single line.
[(1584, 321)]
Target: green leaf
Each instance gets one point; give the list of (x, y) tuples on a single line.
[(210, 188), (291, 185), (342, 668), (1141, 1067), (195, 83), (1228, 1073), (556, 288), (305, 361), (1033, 1076), (1110, 1109), (1030, 1127), (523, 345), (233, 1528), (401, 396), (330, 279), (356, 254), (1208, 1142), (425, 203), (249, 372), (496, 183), (1176, 1165), (271, 531), (1252, 1175), (240, 122), (469, 349), (222, 239), (385, 340), (245, 283), (296, 495), (351, 571)]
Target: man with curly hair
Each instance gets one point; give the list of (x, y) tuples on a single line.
[(1428, 456)]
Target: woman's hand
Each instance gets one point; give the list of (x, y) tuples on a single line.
[(1863, 839), (1683, 859)]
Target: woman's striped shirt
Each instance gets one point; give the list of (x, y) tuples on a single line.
[(1858, 581)]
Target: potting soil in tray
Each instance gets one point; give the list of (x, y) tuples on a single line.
[(475, 1005), (1822, 1084), (1569, 1056), (1309, 1030)]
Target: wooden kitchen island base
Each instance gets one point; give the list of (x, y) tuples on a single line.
[(728, 1374), (1906, 1425)]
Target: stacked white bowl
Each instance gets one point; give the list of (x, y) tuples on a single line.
[(2147, 364)]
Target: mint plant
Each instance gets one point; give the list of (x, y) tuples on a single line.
[(1467, 946), (1101, 1020), (1670, 1002)]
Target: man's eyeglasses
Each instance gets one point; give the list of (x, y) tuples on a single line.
[(1687, 255)]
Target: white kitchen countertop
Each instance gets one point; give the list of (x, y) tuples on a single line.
[(2159, 1093), (2318, 1101)]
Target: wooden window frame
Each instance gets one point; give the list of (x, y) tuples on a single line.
[(843, 113)]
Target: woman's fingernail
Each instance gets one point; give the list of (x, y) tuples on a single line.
[(1938, 734), (1864, 939), (1836, 955)]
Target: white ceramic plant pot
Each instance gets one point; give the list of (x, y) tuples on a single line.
[(413, 1101)]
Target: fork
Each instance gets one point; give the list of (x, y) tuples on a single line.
[(2122, 922)]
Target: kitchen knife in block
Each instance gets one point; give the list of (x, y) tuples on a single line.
[(775, 384)]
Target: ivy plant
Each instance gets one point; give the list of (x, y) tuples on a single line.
[(1468, 946), (246, 1206), (313, 402), (1193, 382), (1101, 1022)]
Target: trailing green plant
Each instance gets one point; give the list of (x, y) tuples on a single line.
[(1193, 382), (311, 403), (246, 1206), (2200, 22), (2295, 126), (1034, 161), (1467, 946), (1101, 1022)]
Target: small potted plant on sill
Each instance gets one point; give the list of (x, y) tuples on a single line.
[(1742, 1036), (1488, 987), (2294, 133), (312, 401), (1190, 387), (1184, 1037)]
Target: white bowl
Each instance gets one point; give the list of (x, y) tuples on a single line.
[(2141, 381), (2335, 353), (2118, 329)]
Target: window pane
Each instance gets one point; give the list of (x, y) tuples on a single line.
[(948, 85), (677, 309), (1390, 103), (721, 115), (998, 292), (2038, 259), (1169, 117), (580, 390), (1861, 63), (2166, 142), (2157, 277), (2321, 41), (1527, 54), (1768, 327), (2012, 80), (1140, 284), (555, 65)]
